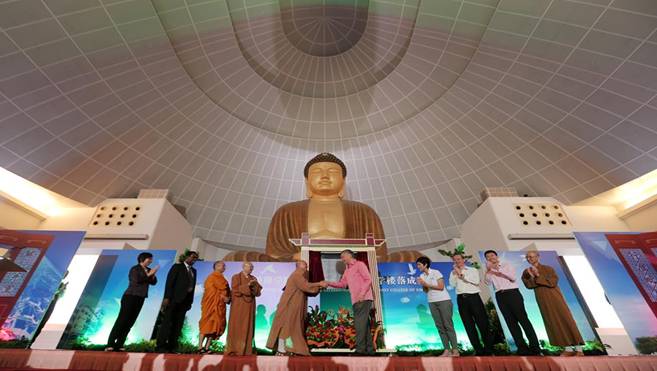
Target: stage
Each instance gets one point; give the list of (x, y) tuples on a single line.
[(19, 359)]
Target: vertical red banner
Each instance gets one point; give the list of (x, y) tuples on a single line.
[(638, 253), (25, 250)]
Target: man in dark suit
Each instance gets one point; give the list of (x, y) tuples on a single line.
[(178, 298)]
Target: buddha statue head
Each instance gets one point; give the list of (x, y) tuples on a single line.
[(325, 177)]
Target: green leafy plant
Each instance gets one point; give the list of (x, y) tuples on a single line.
[(460, 250), (501, 349), (21, 343), (143, 346), (595, 348), (183, 256), (549, 349), (494, 321), (82, 343), (217, 346), (646, 344)]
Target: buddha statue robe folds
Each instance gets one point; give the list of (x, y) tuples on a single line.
[(325, 214), (291, 220)]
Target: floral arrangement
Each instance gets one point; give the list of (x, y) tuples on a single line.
[(321, 330), (336, 330), (460, 250), (7, 334)]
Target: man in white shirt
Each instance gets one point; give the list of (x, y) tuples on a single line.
[(440, 305), (511, 303), (465, 280)]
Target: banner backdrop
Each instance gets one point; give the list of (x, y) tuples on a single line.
[(620, 288), (408, 323), (272, 276), (407, 320), (26, 297), (551, 258), (99, 304)]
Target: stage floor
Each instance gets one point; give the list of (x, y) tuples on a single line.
[(18, 359)]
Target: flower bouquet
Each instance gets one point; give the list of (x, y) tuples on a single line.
[(321, 331), (337, 330)]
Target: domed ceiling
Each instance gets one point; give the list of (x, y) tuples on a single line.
[(426, 101)]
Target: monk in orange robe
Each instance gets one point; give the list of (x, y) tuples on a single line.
[(287, 334), (241, 325), (213, 307)]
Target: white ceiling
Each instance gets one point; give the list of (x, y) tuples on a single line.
[(426, 102)]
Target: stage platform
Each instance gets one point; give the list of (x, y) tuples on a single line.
[(14, 359)]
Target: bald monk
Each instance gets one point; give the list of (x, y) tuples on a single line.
[(325, 214), (213, 307), (287, 334), (559, 322), (241, 325)]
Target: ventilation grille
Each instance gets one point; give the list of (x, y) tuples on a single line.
[(543, 215), (116, 215)]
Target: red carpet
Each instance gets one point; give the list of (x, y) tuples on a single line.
[(18, 359)]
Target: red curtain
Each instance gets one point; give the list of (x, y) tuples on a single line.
[(316, 273), (362, 256)]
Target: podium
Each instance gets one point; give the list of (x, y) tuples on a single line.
[(366, 245)]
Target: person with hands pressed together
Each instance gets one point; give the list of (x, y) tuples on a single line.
[(241, 325), (139, 277), (216, 296), (465, 281), (440, 304), (359, 281), (559, 322), (509, 300)]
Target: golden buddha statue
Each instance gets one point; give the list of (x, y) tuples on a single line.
[(325, 214)]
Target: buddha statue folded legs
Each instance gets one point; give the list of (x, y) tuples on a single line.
[(325, 214)]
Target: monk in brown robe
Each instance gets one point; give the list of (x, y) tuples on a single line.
[(559, 323), (287, 334), (213, 307), (241, 325), (325, 214)]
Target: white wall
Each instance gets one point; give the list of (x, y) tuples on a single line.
[(70, 219), (14, 217), (491, 224), (433, 254), (644, 220), (172, 231), (595, 218), (208, 251), (481, 231)]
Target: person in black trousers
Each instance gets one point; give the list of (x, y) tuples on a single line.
[(465, 281), (509, 299), (140, 277), (178, 298)]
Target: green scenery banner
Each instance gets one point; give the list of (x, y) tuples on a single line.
[(550, 258), (407, 322)]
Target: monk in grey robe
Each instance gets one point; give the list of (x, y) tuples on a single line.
[(287, 334)]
